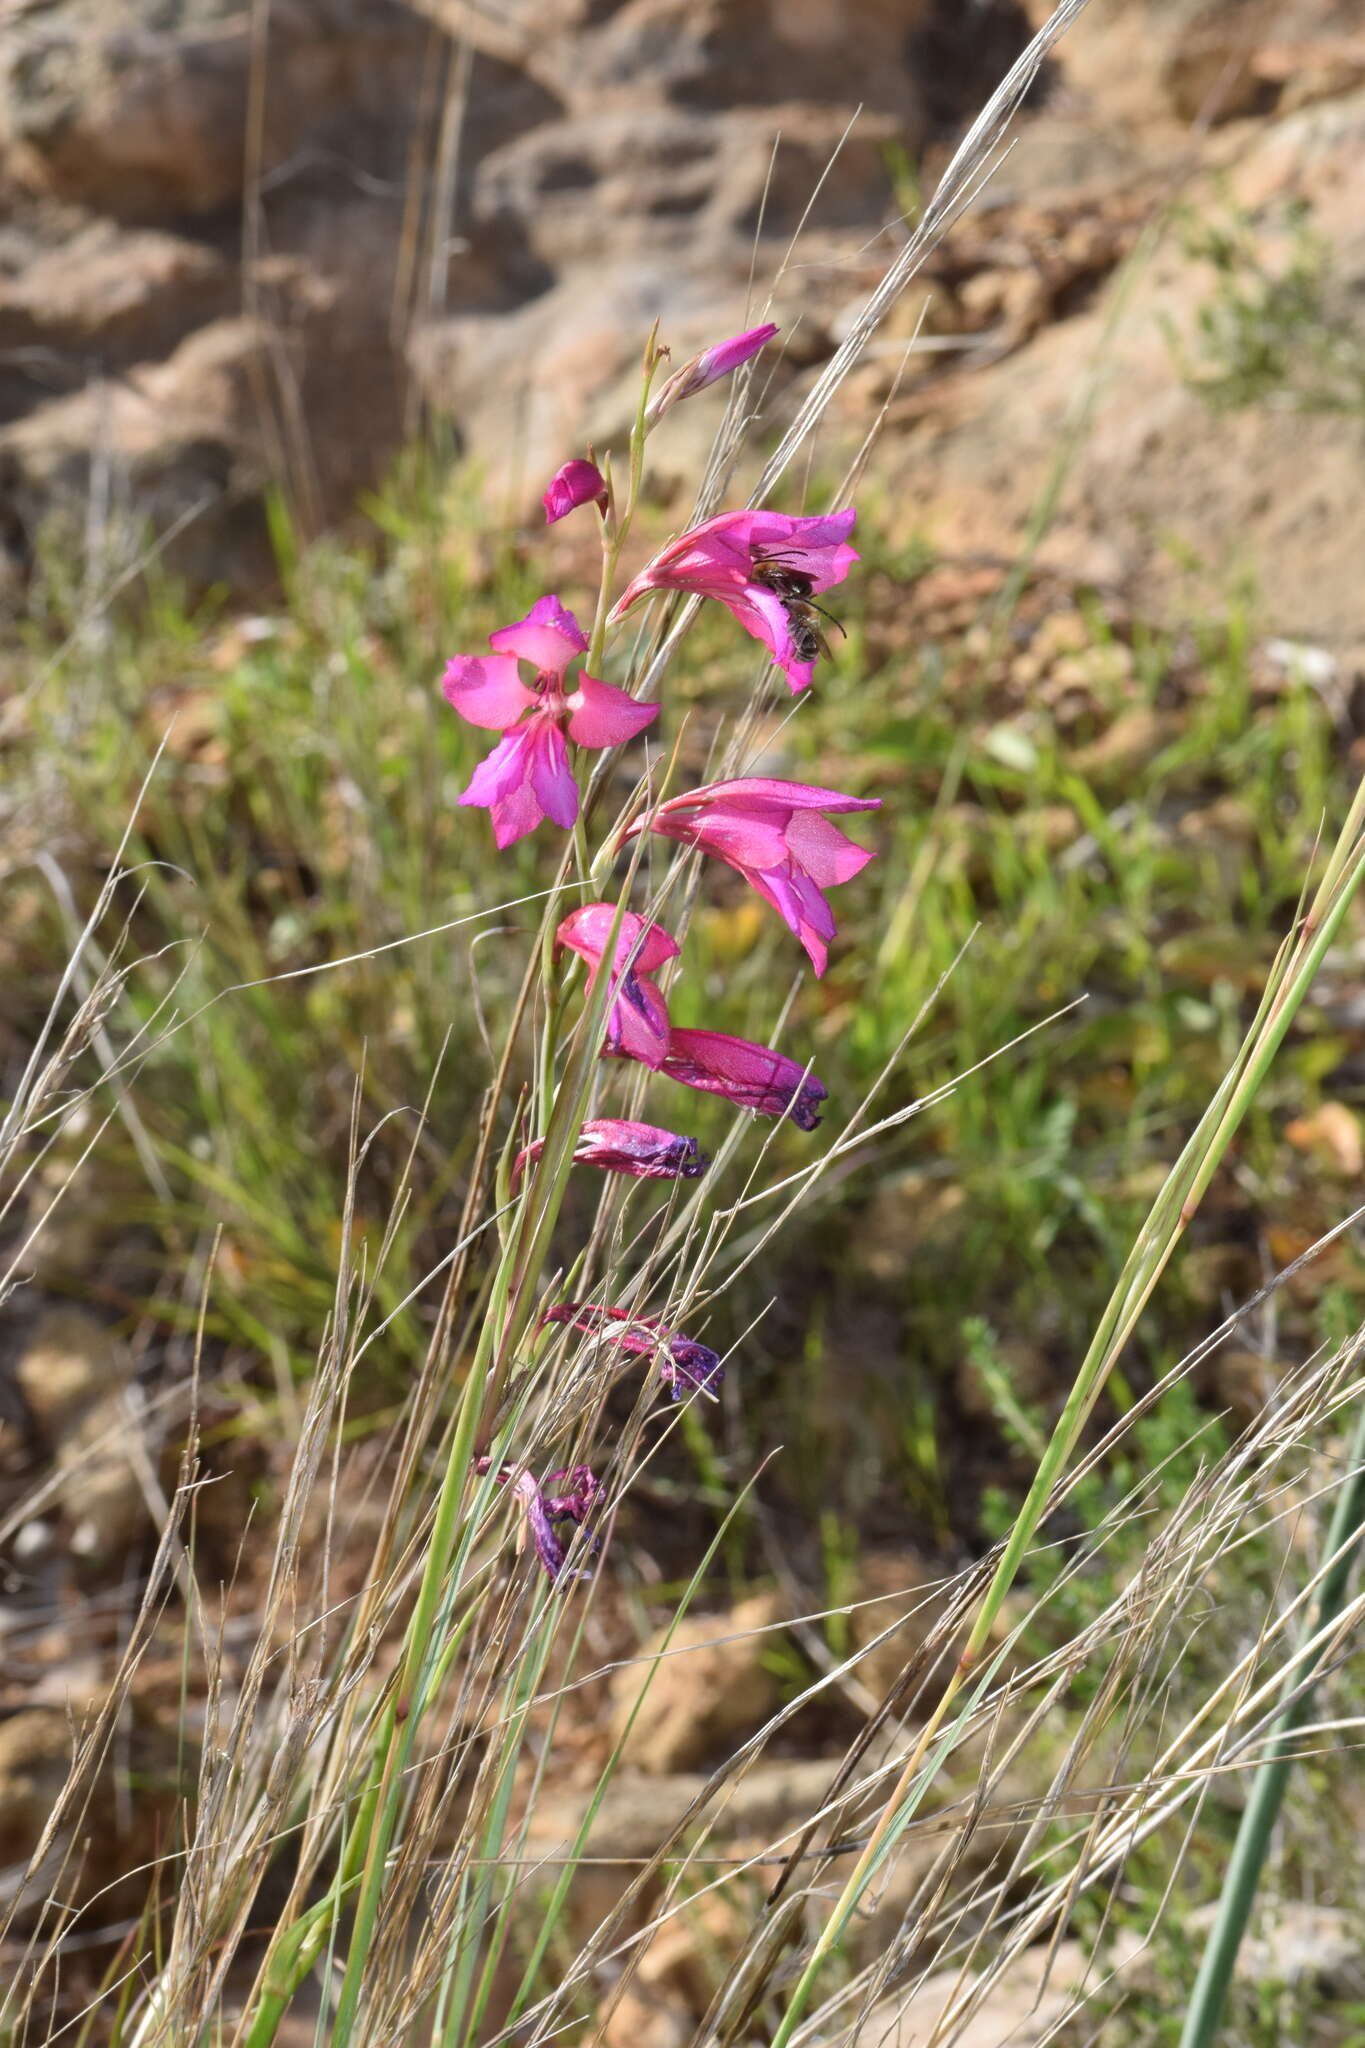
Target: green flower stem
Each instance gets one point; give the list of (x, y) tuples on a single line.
[(553, 1911), (1204, 2013), (562, 1106), (1290, 979), (617, 524), (293, 1956), (398, 1728), (460, 2020), (297, 1948)]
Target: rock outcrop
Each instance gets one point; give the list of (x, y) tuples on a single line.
[(254, 247), (245, 246)]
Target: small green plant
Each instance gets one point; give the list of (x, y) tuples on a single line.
[(1269, 332)]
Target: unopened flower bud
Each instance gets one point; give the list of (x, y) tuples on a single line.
[(577, 483), (708, 368)]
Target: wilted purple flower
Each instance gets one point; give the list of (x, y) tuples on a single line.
[(683, 1363), (641, 1150), (706, 368), (544, 1509), (753, 1076), (577, 483)]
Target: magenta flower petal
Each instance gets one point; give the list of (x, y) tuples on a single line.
[(617, 1146), (743, 839), (763, 615), (641, 1150), (752, 1076), (828, 855), (600, 715), (525, 778), (487, 690), (800, 905), (584, 1494), (548, 637), (551, 776), (739, 557), (724, 356), (757, 790), (577, 483), (543, 1509), (817, 546), (776, 835), (637, 1020), (587, 932), (506, 770)]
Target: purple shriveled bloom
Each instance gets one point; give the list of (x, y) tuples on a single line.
[(753, 1076), (544, 1509), (527, 776), (735, 558), (706, 368), (577, 483), (637, 1021), (684, 1364), (640, 1150), (774, 834)]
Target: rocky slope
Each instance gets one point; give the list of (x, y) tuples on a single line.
[(251, 246)]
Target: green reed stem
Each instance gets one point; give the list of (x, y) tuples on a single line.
[(1290, 978), (1204, 2013)]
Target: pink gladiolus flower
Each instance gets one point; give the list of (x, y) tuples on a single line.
[(544, 1509), (641, 1150), (577, 483), (774, 834), (707, 368), (527, 776), (753, 1076), (763, 566), (683, 1363), (637, 1021)]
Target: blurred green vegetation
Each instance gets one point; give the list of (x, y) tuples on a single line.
[(1092, 832), (1276, 325)]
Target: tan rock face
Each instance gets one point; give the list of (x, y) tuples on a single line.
[(36, 1750), (707, 1691), (100, 1835), (145, 112), (897, 1623), (231, 257), (237, 240), (72, 1377), (1161, 492), (69, 1365)]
